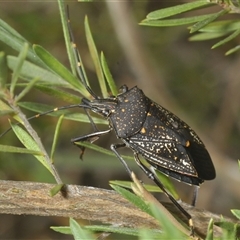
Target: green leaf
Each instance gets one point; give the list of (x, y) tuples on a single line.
[(227, 39), (137, 201), (55, 138), (21, 58), (12, 149), (56, 189), (232, 50), (3, 70), (210, 230), (171, 11), (167, 184), (236, 213), (128, 184), (5, 109), (113, 229), (26, 90), (30, 71), (174, 22), (95, 58), (206, 36), (64, 21), (169, 229), (63, 230), (58, 93), (13, 39), (8, 29), (78, 232), (108, 76), (146, 234), (58, 68), (221, 26), (30, 144), (205, 22)]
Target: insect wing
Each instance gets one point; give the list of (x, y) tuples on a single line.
[(162, 142)]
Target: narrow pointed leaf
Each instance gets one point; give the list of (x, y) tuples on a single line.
[(78, 232), (95, 58), (205, 22), (108, 75), (16, 73), (30, 71), (3, 70), (171, 11), (58, 93), (12, 149), (13, 39), (170, 231), (174, 22), (26, 90), (206, 36), (114, 229), (236, 213), (55, 138), (128, 184), (58, 68), (64, 21), (210, 230), (221, 26), (63, 230), (30, 144), (137, 201), (232, 50), (227, 39), (145, 234), (167, 184)]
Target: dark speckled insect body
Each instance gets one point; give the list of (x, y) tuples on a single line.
[(150, 130)]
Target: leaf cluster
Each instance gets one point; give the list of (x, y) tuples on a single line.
[(205, 26), (36, 67)]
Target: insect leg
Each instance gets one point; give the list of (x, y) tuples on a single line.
[(195, 195), (91, 137), (95, 129), (114, 148), (152, 176)]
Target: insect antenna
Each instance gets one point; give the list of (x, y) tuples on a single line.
[(79, 67), (80, 70), (46, 113)]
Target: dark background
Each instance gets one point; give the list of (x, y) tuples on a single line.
[(200, 85)]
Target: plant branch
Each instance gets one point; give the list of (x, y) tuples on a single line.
[(87, 203)]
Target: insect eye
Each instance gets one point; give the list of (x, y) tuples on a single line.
[(106, 113), (123, 89)]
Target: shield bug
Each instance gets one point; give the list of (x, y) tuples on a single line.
[(166, 142)]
